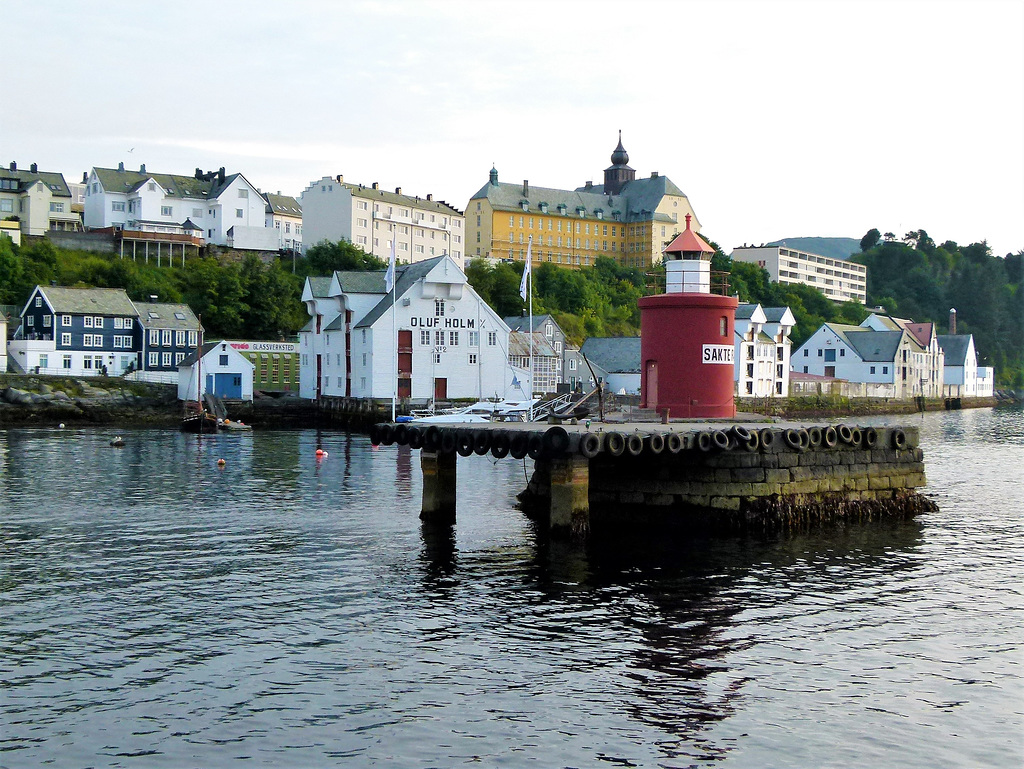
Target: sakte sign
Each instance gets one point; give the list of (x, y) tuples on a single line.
[(717, 353)]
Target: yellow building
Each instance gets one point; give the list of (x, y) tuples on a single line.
[(628, 219)]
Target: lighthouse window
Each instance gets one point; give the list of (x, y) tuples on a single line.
[(723, 325)]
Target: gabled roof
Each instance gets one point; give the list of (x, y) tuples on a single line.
[(519, 345), (954, 347), (319, 286), (87, 301), (398, 199), (636, 201), (615, 354), (750, 312), (875, 346), (522, 322), (173, 185), (406, 276), (208, 347), (285, 205), (54, 181), (361, 281), (167, 315), (779, 315)]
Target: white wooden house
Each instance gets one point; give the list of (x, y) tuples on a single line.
[(223, 371)]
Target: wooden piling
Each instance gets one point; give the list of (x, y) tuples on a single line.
[(439, 476)]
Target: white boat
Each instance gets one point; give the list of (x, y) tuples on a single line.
[(482, 411)]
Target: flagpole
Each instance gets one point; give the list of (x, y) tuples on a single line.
[(389, 285), (529, 267)]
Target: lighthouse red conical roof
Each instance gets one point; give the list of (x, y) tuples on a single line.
[(688, 242)]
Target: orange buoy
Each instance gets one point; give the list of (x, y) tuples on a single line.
[(221, 462), (319, 452)]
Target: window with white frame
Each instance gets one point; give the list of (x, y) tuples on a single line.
[(243, 193), (117, 205), (572, 364), (453, 338), (67, 361), (30, 321), (166, 359), (492, 338), (472, 359), (439, 308), (437, 357), (166, 337), (179, 338), (154, 336), (474, 338), (47, 319), (424, 336), (154, 359), (87, 320), (97, 322), (166, 211), (239, 213), (178, 357), (193, 338), (439, 338), (65, 340)]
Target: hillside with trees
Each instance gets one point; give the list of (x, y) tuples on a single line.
[(916, 278), (253, 299)]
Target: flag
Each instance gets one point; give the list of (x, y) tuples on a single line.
[(526, 272), (515, 383), (389, 276)]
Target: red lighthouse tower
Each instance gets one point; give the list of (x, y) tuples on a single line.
[(686, 337)]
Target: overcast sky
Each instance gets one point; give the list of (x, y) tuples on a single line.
[(777, 119)]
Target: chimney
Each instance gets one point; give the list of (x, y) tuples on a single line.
[(376, 186), (398, 190), (654, 174), (279, 193), (430, 196), (526, 188), (220, 175), (142, 169), (85, 177), (14, 166), (120, 167), (34, 168), (588, 186), (339, 178), (952, 320), (152, 298), (199, 173)]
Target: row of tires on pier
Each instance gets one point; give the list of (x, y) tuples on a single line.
[(556, 441)]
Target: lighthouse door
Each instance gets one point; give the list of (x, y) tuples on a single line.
[(651, 394)]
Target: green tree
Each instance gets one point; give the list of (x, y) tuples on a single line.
[(326, 257), (11, 273), (870, 239)]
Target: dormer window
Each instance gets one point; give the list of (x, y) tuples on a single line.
[(525, 205)]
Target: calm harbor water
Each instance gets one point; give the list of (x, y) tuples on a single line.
[(156, 611)]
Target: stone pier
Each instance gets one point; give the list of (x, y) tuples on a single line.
[(740, 476)]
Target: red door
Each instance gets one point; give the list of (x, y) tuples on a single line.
[(405, 364), (440, 389), (651, 394), (319, 375)]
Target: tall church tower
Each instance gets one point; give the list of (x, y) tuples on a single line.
[(618, 173)]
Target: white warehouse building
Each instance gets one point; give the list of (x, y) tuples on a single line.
[(451, 344)]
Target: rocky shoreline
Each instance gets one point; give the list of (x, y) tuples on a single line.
[(51, 400)]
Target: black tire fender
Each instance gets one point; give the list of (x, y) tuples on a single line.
[(401, 434), (815, 435), (845, 433), (753, 443), (556, 441), (720, 440), (590, 445), (830, 437), (742, 433), (464, 443), (792, 438), (386, 434), (674, 443), (899, 439), (767, 438), (519, 445), (481, 441), (655, 443), (415, 436), (500, 444), (432, 438), (615, 443), (704, 441), (448, 442), (535, 445), (870, 437)]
